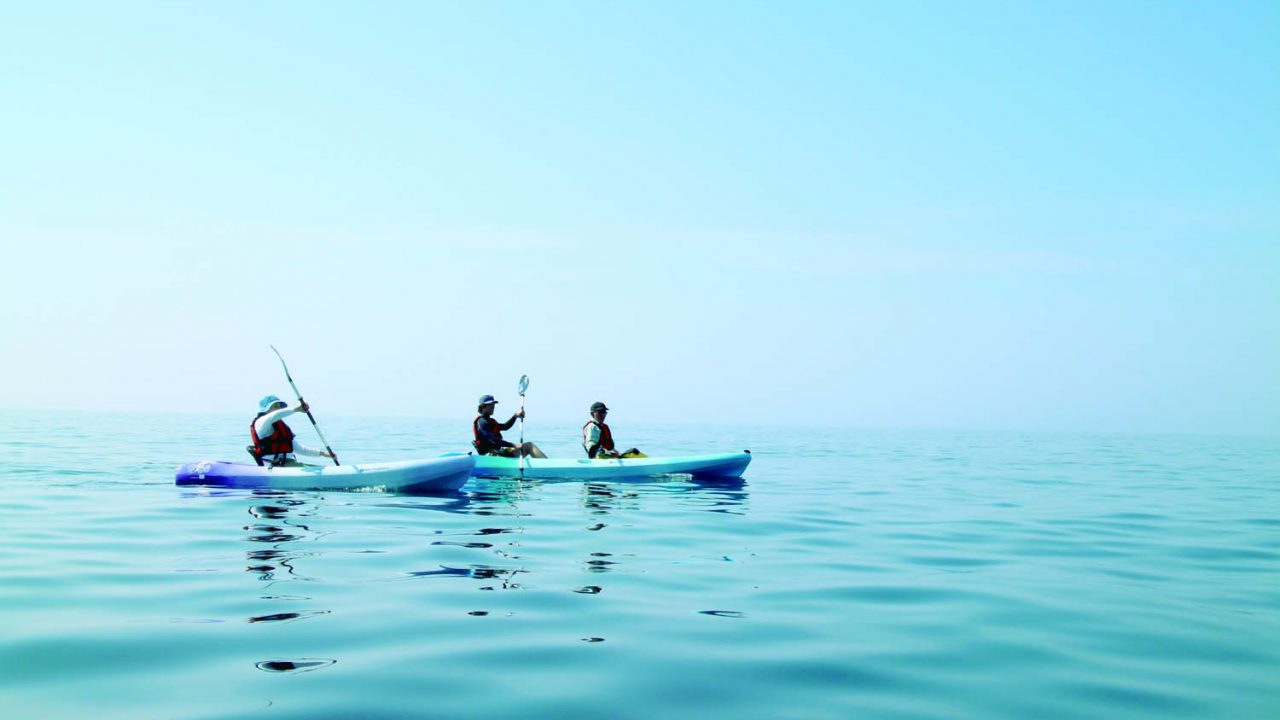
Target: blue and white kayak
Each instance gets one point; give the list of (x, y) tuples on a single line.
[(722, 466), (441, 474)]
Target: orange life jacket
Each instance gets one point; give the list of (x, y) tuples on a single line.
[(606, 437), (278, 444), (484, 445)]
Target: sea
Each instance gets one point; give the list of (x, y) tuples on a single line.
[(850, 573)]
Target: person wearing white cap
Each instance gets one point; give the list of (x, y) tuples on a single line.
[(273, 441), (597, 439), (488, 433)]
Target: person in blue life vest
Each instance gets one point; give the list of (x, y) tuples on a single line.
[(273, 441), (597, 439), (488, 433)]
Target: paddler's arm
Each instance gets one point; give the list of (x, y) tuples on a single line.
[(300, 449)]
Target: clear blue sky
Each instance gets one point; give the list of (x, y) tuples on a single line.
[(925, 214)]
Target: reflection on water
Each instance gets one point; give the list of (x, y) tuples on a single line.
[(610, 508), (278, 617), (292, 666), (723, 613), (597, 565), (451, 502), (603, 498), (284, 526), (496, 496), (716, 495), (482, 572), (442, 572), (284, 523), (725, 495)]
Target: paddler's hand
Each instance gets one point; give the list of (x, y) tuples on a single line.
[(519, 414), (304, 407)]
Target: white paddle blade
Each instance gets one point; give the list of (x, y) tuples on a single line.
[(524, 383)]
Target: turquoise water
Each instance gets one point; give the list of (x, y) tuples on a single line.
[(849, 574)]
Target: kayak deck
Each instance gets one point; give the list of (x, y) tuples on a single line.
[(442, 474), (719, 466)]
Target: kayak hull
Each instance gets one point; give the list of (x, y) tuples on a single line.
[(702, 467), (442, 474)]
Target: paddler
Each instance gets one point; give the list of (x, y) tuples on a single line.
[(273, 441), (488, 433), (597, 440)]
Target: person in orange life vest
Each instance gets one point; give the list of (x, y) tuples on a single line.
[(273, 441), (597, 440), (488, 433)]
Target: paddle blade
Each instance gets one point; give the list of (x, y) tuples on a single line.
[(524, 383)]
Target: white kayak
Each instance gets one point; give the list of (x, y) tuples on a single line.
[(441, 474), (722, 466)]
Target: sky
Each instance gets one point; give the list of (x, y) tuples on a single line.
[(1022, 215)]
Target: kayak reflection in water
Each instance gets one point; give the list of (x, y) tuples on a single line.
[(488, 433), (273, 441), (597, 440)]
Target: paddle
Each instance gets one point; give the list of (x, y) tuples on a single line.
[(522, 387), (299, 396)]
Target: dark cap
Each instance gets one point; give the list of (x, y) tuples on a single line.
[(486, 399), (598, 406)]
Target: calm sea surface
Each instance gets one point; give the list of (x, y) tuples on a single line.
[(850, 574)]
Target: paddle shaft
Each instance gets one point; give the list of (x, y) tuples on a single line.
[(521, 449), (298, 395)]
